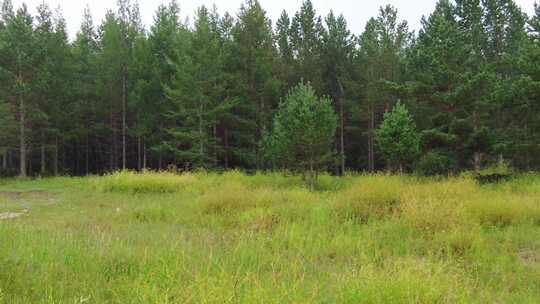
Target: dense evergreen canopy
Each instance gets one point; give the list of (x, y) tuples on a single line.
[(204, 94)]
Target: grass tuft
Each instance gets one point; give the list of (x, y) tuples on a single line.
[(370, 197), (149, 182)]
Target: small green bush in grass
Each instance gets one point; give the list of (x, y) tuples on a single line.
[(435, 163)]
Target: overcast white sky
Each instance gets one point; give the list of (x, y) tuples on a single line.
[(357, 12)]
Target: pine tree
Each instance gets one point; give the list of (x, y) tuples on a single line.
[(195, 93), (140, 95), (7, 134), (397, 137), (285, 51), (87, 106), (165, 38), (230, 120), (306, 40), (130, 26), (206, 94), (17, 58), (337, 58), (437, 77), (504, 25), (476, 82), (303, 133), (383, 46), (110, 64), (521, 95), (62, 89), (256, 88), (45, 74)]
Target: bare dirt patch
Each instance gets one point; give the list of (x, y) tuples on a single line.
[(16, 204), (38, 197), (12, 215)]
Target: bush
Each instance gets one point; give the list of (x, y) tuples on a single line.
[(8, 172), (435, 163), (495, 173)]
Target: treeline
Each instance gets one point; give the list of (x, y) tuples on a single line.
[(203, 94)]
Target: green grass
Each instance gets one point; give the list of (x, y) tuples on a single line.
[(232, 238)]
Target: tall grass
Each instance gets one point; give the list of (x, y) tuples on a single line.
[(149, 182), (163, 237)]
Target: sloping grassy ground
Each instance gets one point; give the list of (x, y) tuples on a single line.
[(209, 238)]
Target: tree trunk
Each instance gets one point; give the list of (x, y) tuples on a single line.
[(342, 135), (477, 161), (144, 156), (477, 157), (214, 131), (55, 165), (29, 165), (371, 142), (113, 140), (201, 142), (9, 159), (226, 135), (43, 156), (311, 176), (139, 154), (4, 160), (22, 135), (76, 159), (64, 157), (124, 125), (87, 155)]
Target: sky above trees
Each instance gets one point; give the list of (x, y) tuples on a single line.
[(356, 12)]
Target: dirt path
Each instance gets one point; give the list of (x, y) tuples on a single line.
[(25, 200)]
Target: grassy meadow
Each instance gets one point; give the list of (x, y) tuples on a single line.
[(232, 238)]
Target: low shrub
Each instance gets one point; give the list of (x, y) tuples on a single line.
[(8, 172), (435, 163)]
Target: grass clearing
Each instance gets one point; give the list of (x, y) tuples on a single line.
[(232, 238)]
